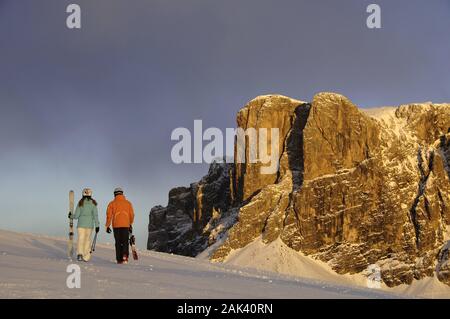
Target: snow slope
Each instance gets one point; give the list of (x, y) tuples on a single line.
[(279, 258), (34, 266)]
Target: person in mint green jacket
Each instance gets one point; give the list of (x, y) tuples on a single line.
[(87, 216)]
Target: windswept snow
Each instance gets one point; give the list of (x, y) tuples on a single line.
[(33, 266), (279, 258)]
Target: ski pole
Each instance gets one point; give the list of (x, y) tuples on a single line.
[(93, 243)]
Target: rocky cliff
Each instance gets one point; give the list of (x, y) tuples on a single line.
[(354, 187)]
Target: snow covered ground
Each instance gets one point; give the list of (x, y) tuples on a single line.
[(279, 258), (34, 266)]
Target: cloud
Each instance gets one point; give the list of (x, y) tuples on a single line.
[(97, 106)]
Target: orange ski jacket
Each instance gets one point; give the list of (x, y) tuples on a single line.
[(120, 213)]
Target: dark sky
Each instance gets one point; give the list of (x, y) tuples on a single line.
[(95, 107)]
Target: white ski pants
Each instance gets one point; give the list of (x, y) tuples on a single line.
[(84, 243)]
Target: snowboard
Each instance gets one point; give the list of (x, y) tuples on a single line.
[(133, 247), (71, 212)]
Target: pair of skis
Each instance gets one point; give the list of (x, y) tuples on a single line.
[(71, 207), (70, 248)]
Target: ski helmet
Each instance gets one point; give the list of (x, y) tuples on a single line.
[(118, 190), (87, 192)]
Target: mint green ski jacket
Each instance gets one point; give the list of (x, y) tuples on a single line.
[(87, 215)]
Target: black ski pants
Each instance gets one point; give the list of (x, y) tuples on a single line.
[(121, 237)]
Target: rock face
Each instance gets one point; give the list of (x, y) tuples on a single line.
[(353, 188), (184, 226), (264, 112)]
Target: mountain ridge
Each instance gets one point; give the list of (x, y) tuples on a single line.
[(353, 188)]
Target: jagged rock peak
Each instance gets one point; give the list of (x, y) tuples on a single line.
[(354, 187), (273, 97)]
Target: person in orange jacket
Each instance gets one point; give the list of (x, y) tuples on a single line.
[(120, 214)]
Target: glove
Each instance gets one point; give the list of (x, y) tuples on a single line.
[(97, 229), (108, 230), (130, 229)]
